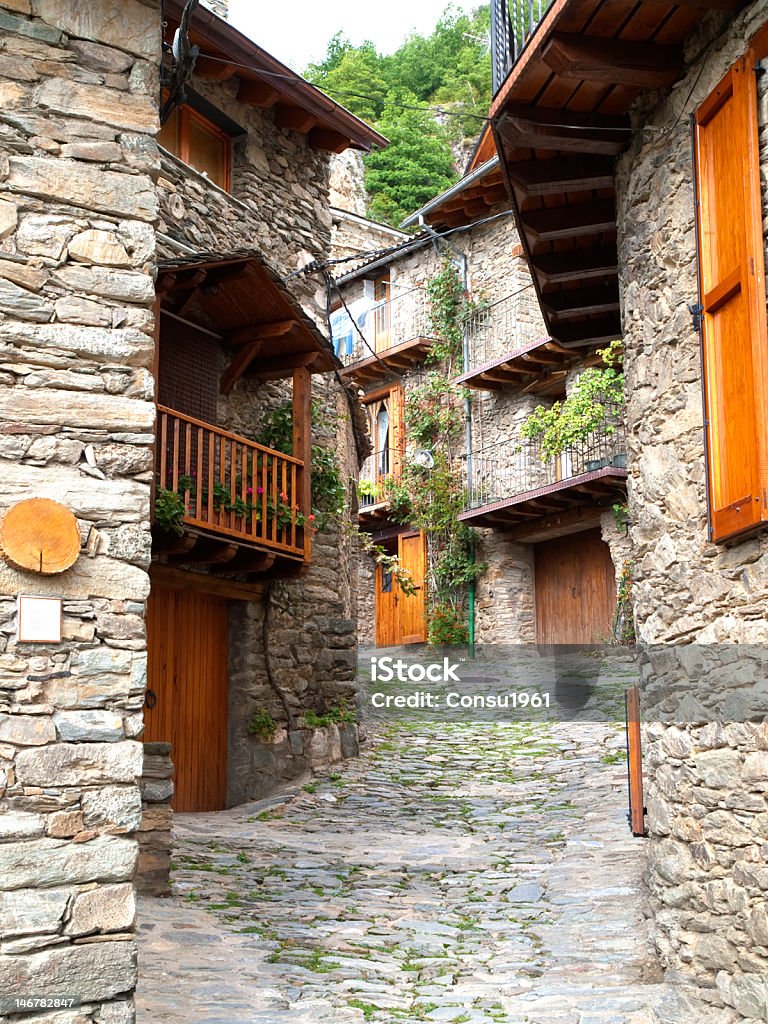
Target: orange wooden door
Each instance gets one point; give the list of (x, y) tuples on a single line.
[(386, 608), (187, 638), (575, 590), (412, 555)]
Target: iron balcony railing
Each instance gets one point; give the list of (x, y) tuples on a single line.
[(505, 326), (380, 326), (227, 485), (377, 472), (510, 469), (513, 22)]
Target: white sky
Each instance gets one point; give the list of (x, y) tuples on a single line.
[(297, 31)]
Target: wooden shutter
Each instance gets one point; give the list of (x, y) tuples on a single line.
[(732, 289), (397, 428)]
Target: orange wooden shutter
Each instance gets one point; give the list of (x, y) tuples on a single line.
[(732, 289), (397, 428)]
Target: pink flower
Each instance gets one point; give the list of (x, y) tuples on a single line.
[(249, 491), (283, 496), (259, 490), (311, 518)]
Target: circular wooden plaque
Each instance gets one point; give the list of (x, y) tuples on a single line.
[(40, 535)]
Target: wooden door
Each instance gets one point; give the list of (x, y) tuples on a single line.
[(412, 555), (187, 638), (575, 590), (386, 608)]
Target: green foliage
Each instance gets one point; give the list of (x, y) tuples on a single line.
[(416, 166), (620, 512), (170, 510), (328, 490), (590, 405), (262, 724), (447, 626), (339, 714), (624, 620), (456, 566), (450, 68)]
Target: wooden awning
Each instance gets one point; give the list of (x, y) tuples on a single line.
[(266, 83), (538, 369), (560, 119), (242, 301), (391, 361), (468, 200), (537, 514)]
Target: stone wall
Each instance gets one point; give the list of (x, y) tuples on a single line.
[(347, 182), (352, 235), (706, 794), (153, 877), (77, 206)]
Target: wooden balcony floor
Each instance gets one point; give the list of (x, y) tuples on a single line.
[(539, 368), (222, 556), (552, 509), (388, 362)]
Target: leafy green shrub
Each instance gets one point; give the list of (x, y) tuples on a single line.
[(447, 626), (170, 510), (262, 724)]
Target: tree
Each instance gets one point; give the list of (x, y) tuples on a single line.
[(355, 82), (417, 165)]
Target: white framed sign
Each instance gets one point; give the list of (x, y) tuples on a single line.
[(39, 620)]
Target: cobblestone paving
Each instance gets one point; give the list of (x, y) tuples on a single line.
[(455, 873)]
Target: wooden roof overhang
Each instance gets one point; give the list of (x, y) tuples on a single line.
[(537, 369), (266, 83), (468, 200), (242, 301), (389, 362), (586, 491), (560, 119)]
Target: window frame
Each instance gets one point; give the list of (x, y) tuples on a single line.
[(187, 113)]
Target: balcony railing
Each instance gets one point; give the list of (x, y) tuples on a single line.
[(511, 469), (383, 325), (378, 469), (503, 327), (513, 22), (230, 486)]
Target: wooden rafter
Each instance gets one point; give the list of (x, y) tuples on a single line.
[(553, 176), (612, 61), (570, 221), (294, 118), (569, 132), (257, 93)]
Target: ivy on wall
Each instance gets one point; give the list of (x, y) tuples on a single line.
[(431, 499)]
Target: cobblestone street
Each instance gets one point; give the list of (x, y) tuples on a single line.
[(459, 873)]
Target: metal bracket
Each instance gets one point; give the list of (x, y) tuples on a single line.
[(697, 312)]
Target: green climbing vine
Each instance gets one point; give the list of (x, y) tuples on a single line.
[(624, 620), (597, 393), (431, 499)]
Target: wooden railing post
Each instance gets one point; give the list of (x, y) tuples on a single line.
[(302, 445)]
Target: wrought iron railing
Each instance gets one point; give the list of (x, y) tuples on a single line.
[(381, 326), (513, 22), (228, 485), (513, 468), (377, 471), (505, 326)]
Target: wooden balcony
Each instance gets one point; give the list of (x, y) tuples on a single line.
[(391, 338), (511, 487), (226, 503)]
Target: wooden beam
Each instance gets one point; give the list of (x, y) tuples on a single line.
[(566, 174), (282, 366), (239, 364), (565, 130), (612, 61), (570, 221), (203, 582), (599, 331), (302, 444), (257, 94), (712, 5), (214, 70), (558, 525), (581, 301), (328, 141), (249, 561), (209, 551), (259, 332), (294, 118), (577, 264)]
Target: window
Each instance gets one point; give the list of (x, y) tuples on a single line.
[(732, 293), (385, 411), (381, 296), (199, 143)]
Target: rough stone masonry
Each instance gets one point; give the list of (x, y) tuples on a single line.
[(78, 113)]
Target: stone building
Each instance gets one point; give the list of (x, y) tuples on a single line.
[(634, 155), (133, 274), (520, 504)]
